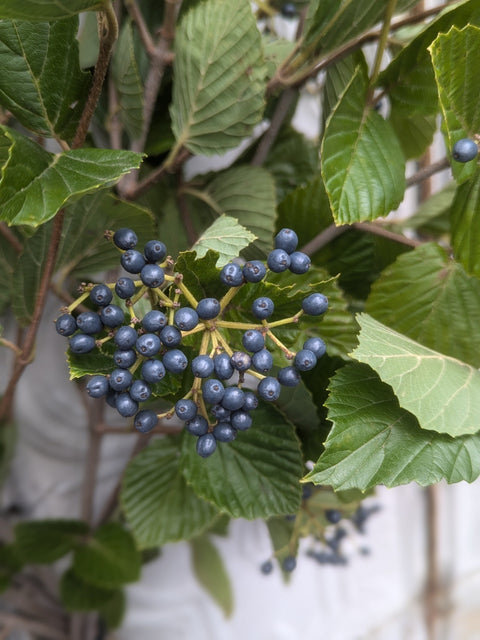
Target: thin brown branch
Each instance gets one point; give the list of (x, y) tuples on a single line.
[(192, 235), (378, 230), (156, 175), (95, 436), (6, 405), (278, 118), (11, 237), (427, 172), (13, 621), (108, 30), (325, 237), (143, 32)]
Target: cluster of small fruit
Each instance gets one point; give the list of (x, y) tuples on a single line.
[(150, 346)]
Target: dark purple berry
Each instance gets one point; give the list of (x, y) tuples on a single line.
[(125, 288), (170, 336), (120, 379), (241, 420), (269, 389), (317, 345), (125, 337), (186, 409), (253, 340), (175, 361), (152, 275), (124, 358), (254, 271), (155, 251), (287, 240), (125, 405), (464, 150), (224, 432), (240, 361), (186, 318), (262, 307), (220, 413), (197, 426), (251, 401), (202, 366), (148, 344), (262, 361), (305, 360), (222, 366), (288, 376), (299, 262), (66, 325), (154, 320), (289, 564), (315, 304), (278, 260), (97, 387), (112, 316), (132, 261), (101, 295), (140, 390), (206, 445), (89, 322), (208, 308), (213, 391), (153, 371), (233, 398), (232, 275), (145, 420), (81, 343), (125, 238)]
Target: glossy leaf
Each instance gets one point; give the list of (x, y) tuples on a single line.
[(219, 76), (158, 504), (263, 463), (109, 558), (414, 132), (226, 236), (362, 163), (41, 77), (374, 441), (210, 572), (41, 10), (465, 225), (455, 58), (442, 392), (35, 184), (44, 541), (416, 296)]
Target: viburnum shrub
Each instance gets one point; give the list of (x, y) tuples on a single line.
[(266, 317)]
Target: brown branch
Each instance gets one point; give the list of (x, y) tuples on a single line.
[(95, 436), (156, 175), (278, 118), (325, 237), (11, 237), (427, 172), (144, 33), (108, 29), (13, 621), (378, 230)]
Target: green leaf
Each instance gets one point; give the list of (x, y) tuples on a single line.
[(362, 162), (8, 262), (465, 223), (201, 275), (128, 81), (373, 441), (83, 249), (416, 295), (225, 236), (109, 558), (455, 57), (41, 77), (210, 572), (247, 194), (41, 10), (414, 132), (218, 77), (10, 564), (80, 595), (35, 184), (44, 541), (409, 79), (255, 476), (28, 274), (442, 392), (432, 216), (94, 363), (158, 504), (112, 611)]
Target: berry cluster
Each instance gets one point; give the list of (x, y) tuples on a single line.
[(220, 400)]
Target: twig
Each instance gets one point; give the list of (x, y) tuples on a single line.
[(376, 229), (270, 135), (156, 175), (382, 43), (108, 28), (11, 237), (14, 621), (427, 172), (185, 216), (95, 411), (144, 33), (323, 238)]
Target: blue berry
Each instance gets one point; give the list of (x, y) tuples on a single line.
[(220, 413), (153, 371), (81, 343), (202, 366), (241, 420), (266, 567), (140, 390), (288, 10), (222, 366), (232, 275), (254, 271), (287, 240), (145, 420), (288, 376), (224, 432), (317, 345), (112, 316), (124, 358), (262, 307), (97, 387), (333, 515), (262, 361), (299, 262), (206, 445), (233, 398), (89, 322), (154, 320), (240, 361), (125, 337), (125, 288), (186, 318), (132, 261), (120, 379), (66, 325), (111, 398), (464, 150), (155, 251), (197, 426), (305, 360), (152, 275), (213, 391), (289, 564), (251, 401), (175, 361), (186, 409), (278, 260), (253, 340), (125, 238), (148, 344), (170, 336), (101, 295), (269, 389), (208, 308), (125, 405), (315, 304)]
